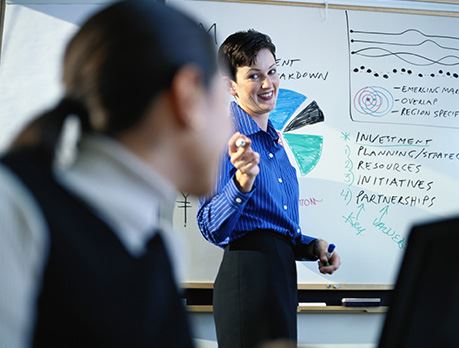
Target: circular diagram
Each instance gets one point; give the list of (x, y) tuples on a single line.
[(373, 101)]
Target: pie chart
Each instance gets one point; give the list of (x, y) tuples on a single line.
[(289, 117)]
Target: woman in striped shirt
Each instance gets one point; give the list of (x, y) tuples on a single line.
[(253, 213)]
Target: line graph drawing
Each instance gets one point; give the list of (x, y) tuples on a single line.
[(405, 44), (388, 70), (400, 54), (404, 32), (420, 47)]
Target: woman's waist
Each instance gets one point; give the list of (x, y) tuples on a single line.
[(260, 240)]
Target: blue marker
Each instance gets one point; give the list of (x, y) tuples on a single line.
[(240, 142), (330, 250)]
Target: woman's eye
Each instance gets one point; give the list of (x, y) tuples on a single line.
[(272, 71), (253, 76)]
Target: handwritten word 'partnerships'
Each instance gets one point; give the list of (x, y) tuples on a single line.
[(405, 200)]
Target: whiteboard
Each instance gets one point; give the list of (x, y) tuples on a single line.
[(34, 40), (35, 36), (385, 155)]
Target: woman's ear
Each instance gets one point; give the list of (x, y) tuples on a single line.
[(231, 85), (187, 92)]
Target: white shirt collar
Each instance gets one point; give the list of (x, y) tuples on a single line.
[(126, 193)]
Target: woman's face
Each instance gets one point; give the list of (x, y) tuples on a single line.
[(256, 86)]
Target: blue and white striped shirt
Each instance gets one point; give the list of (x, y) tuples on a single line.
[(273, 202)]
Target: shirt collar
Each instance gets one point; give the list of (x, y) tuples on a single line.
[(134, 168), (246, 124), (130, 195)]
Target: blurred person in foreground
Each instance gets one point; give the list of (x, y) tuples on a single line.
[(86, 252)]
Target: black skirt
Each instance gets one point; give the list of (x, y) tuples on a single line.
[(255, 294)]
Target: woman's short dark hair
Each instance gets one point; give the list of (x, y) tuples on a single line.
[(241, 49), (120, 59)]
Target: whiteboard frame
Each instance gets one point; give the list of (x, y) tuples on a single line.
[(381, 8), (302, 286), (2, 24), (454, 2), (308, 309)]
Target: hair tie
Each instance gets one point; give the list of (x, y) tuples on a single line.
[(70, 106)]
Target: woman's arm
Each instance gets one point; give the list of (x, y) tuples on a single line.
[(219, 214)]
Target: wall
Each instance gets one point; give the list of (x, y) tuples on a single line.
[(313, 329)]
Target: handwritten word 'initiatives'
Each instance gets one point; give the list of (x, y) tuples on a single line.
[(394, 182)]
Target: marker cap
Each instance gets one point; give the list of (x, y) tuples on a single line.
[(240, 142)]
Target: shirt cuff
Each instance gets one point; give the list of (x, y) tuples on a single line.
[(236, 197), (304, 249), (306, 239)]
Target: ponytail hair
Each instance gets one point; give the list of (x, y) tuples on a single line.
[(45, 130)]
